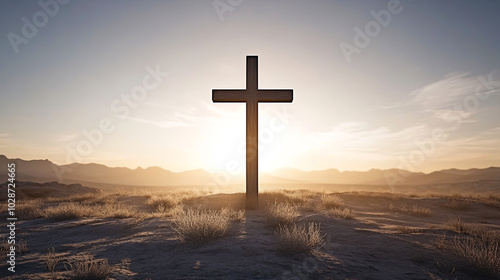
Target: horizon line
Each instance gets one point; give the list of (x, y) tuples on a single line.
[(286, 167)]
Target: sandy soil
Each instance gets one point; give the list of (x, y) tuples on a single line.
[(367, 247)]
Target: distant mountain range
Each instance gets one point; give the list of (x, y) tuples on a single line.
[(45, 171)]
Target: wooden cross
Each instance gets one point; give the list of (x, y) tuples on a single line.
[(252, 95)]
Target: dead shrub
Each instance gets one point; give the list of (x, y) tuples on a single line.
[(456, 204), (29, 209), (72, 210), (199, 226), (411, 210), (344, 213), (291, 239), (407, 230), (456, 224), (331, 201), (89, 268), (163, 203), (281, 213), (51, 261), (481, 255)]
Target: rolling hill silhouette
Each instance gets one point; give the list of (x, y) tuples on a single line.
[(45, 171)]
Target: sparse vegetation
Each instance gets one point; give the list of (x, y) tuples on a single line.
[(198, 219), (456, 224), (491, 200), (481, 255), (68, 211), (51, 261), (384, 195), (475, 246), (199, 226), (89, 268), (296, 238), (407, 229), (331, 201), (77, 197), (344, 213), (163, 203), (236, 216), (4, 248), (479, 252), (21, 247), (457, 204), (411, 210), (298, 198), (29, 209), (74, 210), (281, 213)]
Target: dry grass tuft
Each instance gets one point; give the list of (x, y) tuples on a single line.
[(89, 268), (199, 226), (475, 246), (74, 210), (295, 238), (331, 201), (163, 203), (29, 209), (456, 204), (407, 230), (21, 247), (281, 213), (344, 213), (412, 211), (236, 216), (51, 261), (299, 198), (306, 193), (76, 197), (384, 195), (456, 224), (68, 211), (491, 200), (116, 210), (481, 255)]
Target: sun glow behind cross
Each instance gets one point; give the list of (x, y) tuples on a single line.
[(225, 139)]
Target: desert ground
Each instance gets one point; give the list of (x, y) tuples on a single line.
[(294, 234)]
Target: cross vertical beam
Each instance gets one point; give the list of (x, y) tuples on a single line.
[(252, 96), (252, 178)]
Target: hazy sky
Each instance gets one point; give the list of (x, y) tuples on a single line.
[(377, 84)]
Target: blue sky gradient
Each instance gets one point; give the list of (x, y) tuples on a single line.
[(420, 73)]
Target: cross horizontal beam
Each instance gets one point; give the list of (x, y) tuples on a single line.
[(242, 95)]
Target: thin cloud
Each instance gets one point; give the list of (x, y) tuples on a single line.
[(361, 137), (449, 93)]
